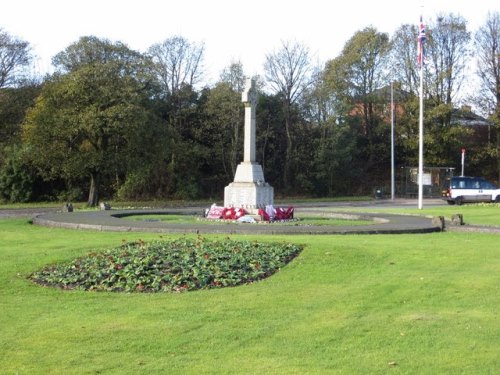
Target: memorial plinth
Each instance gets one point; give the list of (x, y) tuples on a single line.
[(249, 190)]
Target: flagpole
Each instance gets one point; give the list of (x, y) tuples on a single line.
[(421, 139), (421, 40)]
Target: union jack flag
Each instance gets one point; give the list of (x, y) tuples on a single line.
[(421, 40)]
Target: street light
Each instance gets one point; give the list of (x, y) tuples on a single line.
[(392, 142)]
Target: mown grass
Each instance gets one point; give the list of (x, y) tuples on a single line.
[(478, 214), (188, 219), (348, 304)]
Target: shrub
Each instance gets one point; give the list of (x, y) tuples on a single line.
[(16, 182)]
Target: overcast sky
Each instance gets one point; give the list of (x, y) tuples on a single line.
[(231, 30)]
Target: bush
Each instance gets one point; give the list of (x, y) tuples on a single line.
[(16, 182)]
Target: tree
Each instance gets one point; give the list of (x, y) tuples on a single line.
[(224, 127), (91, 50), (234, 76), (14, 101), (287, 72), (487, 43), (319, 103), (15, 55), (177, 62), (334, 144), (403, 62), (354, 78), (446, 57), (16, 180), (88, 116)]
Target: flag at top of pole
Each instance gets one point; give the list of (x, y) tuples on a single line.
[(421, 61), (421, 40)]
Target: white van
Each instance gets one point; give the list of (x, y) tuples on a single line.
[(470, 189)]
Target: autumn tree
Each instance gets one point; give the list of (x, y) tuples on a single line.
[(86, 120), (354, 78)]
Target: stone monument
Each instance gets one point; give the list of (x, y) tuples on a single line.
[(249, 190)]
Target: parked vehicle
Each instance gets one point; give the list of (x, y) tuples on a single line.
[(470, 189)]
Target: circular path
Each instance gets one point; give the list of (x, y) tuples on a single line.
[(112, 220)]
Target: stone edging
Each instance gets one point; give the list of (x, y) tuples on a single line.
[(111, 221)]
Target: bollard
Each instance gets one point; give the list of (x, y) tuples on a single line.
[(457, 219), (68, 207), (438, 221)]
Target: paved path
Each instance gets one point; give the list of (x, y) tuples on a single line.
[(112, 221), (25, 212), (383, 223)]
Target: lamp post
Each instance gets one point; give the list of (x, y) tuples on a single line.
[(392, 142)]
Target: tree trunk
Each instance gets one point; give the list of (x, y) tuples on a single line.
[(497, 127), (93, 199)]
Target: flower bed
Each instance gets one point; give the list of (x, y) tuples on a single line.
[(165, 266)]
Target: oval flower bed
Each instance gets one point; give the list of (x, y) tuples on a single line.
[(176, 265)]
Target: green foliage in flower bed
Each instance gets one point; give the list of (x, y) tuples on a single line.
[(176, 265)]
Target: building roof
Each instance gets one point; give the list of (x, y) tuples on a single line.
[(465, 117)]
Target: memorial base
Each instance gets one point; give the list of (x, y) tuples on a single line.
[(248, 195)]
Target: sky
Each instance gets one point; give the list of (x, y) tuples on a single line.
[(231, 30)]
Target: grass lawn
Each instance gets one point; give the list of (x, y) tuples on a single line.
[(480, 214), (378, 304), (187, 219)]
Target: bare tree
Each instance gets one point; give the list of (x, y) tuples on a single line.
[(15, 54), (234, 76), (446, 56), (288, 73), (403, 58), (487, 43), (177, 62)]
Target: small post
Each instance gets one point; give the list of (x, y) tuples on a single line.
[(463, 161)]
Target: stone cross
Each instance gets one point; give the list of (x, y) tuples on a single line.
[(249, 99), (249, 190)]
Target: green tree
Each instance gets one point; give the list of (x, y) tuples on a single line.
[(14, 102), (333, 140), (271, 142), (84, 120), (223, 130), (354, 78), (16, 179)]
